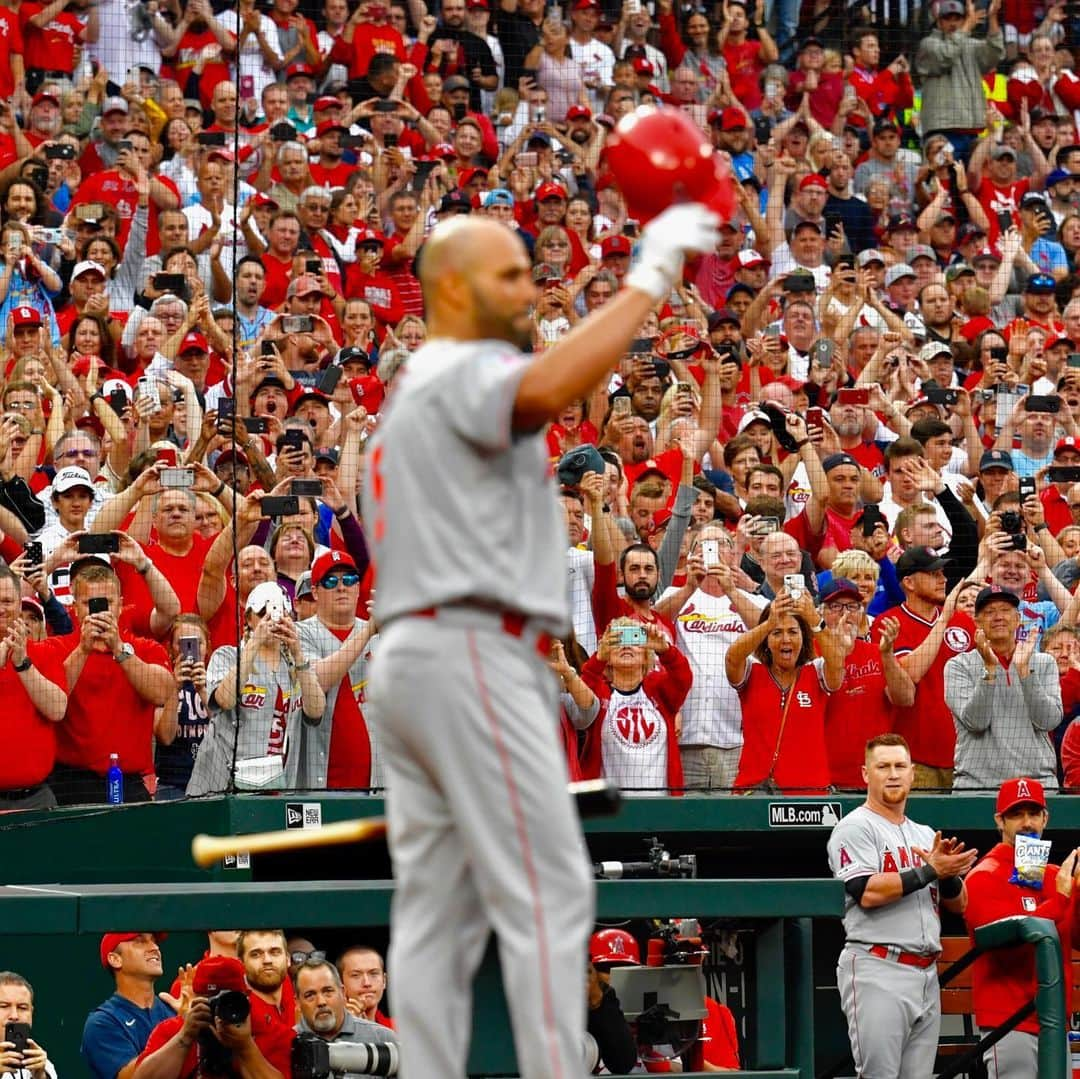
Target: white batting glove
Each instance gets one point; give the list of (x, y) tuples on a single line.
[(686, 229)]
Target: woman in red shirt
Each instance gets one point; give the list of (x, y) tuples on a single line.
[(784, 691)]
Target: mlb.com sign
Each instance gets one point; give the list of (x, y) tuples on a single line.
[(804, 814)]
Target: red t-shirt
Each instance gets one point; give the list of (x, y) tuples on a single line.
[(182, 571), (187, 54), (264, 1015), (119, 191), (274, 1042), (928, 724), (669, 462), (378, 289), (52, 47), (802, 764), (349, 766), (11, 43), (995, 199), (855, 713), (105, 715), (405, 281), (744, 67), (30, 737), (367, 41), (870, 457), (278, 273)]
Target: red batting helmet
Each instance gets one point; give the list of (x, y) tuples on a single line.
[(613, 948), (659, 156)]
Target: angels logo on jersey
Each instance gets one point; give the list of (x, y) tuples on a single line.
[(958, 639), (634, 728)]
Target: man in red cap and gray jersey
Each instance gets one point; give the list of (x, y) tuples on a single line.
[(894, 872), (1015, 878), (470, 582)]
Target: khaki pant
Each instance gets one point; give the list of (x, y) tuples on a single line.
[(709, 767), (927, 777)]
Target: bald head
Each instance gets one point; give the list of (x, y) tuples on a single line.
[(477, 281)]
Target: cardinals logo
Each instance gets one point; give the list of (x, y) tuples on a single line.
[(958, 639), (634, 728)]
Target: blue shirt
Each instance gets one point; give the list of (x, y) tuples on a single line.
[(1027, 466), (1048, 255), (117, 1031)]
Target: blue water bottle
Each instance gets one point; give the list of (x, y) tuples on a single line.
[(114, 781)]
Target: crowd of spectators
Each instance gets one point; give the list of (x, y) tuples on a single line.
[(833, 491)]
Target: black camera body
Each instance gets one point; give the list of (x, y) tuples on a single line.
[(230, 1006), (1012, 522)]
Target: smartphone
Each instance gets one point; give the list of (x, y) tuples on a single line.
[(212, 138), (18, 1034), (1000, 354), (871, 518), (118, 401), (99, 543), (279, 132), (280, 506), (762, 130), (1064, 474), (169, 282), (1004, 221), (640, 346), (97, 605), (126, 144), (189, 648), (632, 635), (420, 176), (177, 478), (353, 142), (853, 395), (15, 244), (298, 323), (621, 406), (684, 389), (33, 552), (306, 488), (88, 211), (1043, 403), (815, 417), (527, 159), (147, 387), (833, 221), (268, 348), (356, 388), (60, 151), (1026, 488), (389, 140), (255, 425), (293, 439), (822, 352), (226, 408), (167, 456), (795, 584), (313, 266), (710, 552), (328, 380), (767, 526), (1073, 359), (937, 396)]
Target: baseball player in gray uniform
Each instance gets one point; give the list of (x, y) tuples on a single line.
[(469, 544), (894, 872)]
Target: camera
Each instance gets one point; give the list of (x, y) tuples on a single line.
[(230, 1006), (314, 1058), (1012, 522), (661, 864)]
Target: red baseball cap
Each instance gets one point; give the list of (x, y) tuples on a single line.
[(615, 245), (1069, 443), (1020, 791), (643, 67), (368, 236), (578, 112), (25, 316), (332, 560), (194, 342), (814, 179), (732, 118), (327, 101), (262, 199), (298, 69), (111, 941), (45, 95), (329, 125), (550, 190), (218, 972)]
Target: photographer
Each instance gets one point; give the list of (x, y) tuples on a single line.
[(213, 1034), (17, 1009), (321, 998)]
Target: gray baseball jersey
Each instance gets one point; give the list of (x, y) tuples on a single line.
[(493, 533), (864, 843)]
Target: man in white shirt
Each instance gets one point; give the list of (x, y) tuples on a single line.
[(17, 1006)]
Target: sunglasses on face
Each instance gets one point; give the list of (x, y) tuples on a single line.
[(332, 580)]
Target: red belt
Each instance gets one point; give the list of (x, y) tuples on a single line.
[(905, 959), (513, 622)]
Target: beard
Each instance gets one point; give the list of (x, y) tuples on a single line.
[(640, 591)]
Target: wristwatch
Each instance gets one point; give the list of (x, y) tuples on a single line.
[(125, 653), (24, 666)]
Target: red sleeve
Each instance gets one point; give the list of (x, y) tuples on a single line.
[(342, 51), (722, 1048), (151, 652), (990, 897), (1070, 755), (48, 663), (163, 1033), (9, 549), (670, 43), (670, 685), (1055, 509), (592, 674), (605, 597), (415, 90)]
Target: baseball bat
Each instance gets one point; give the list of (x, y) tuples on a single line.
[(594, 797)]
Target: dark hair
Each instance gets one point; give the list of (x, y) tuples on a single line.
[(929, 428), (771, 470), (766, 506), (901, 448), (253, 259), (700, 483), (736, 446), (241, 940), (636, 548), (806, 649), (167, 152), (381, 63)]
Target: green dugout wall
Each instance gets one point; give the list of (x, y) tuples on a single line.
[(763, 881)]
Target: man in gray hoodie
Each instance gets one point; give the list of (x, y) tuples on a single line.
[(952, 63)]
